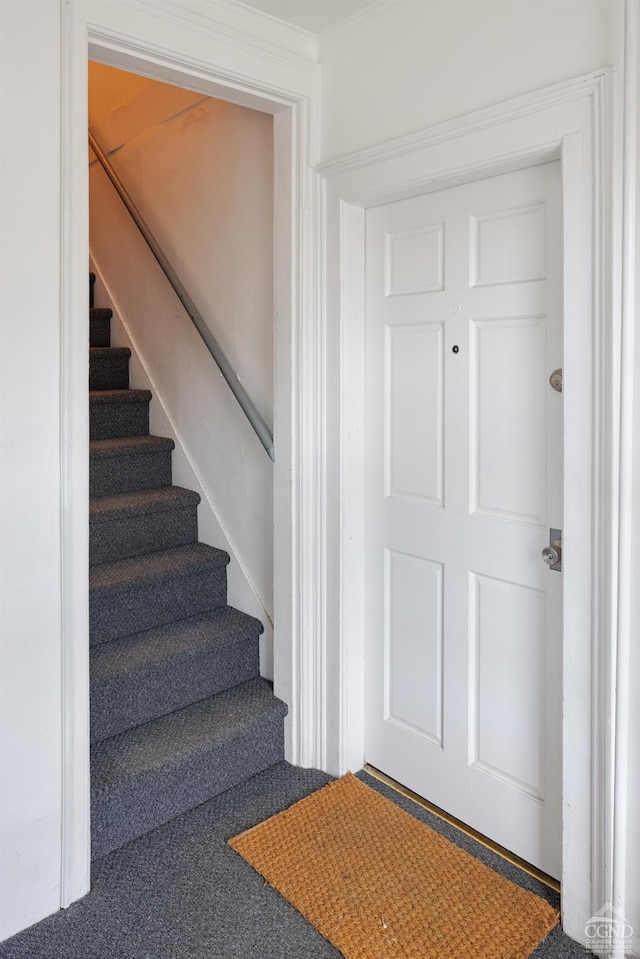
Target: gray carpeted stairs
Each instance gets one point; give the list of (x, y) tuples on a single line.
[(179, 712)]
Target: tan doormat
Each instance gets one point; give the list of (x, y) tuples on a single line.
[(378, 883)]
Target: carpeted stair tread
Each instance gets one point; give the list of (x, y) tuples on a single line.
[(176, 665), (100, 397), (131, 524), (118, 413), (105, 352), (153, 589), (186, 637), (99, 327), (129, 445), (120, 464), (171, 739), (175, 563), (142, 502), (148, 775), (109, 367)]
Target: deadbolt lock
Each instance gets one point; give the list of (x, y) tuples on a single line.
[(552, 554), (556, 380)]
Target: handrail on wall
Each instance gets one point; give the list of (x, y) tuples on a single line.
[(260, 427)]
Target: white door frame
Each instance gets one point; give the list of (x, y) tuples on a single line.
[(226, 53), (570, 122)]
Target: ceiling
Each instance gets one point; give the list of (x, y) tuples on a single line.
[(313, 15)]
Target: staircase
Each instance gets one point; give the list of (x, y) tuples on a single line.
[(179, 712)]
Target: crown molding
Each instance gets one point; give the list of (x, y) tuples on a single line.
[(379, 6), (285, 25), (243, 25), (528, 103)]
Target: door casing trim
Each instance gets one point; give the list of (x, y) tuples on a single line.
[(271, 70), (571, 122)]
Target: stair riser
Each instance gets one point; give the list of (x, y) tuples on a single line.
[(99, 331), (117, 705), (109, 475), (108, 421), (118, 611), (129, 810), (108, 371), (118, 538)]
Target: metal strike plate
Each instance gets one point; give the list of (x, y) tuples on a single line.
[(552, 554)]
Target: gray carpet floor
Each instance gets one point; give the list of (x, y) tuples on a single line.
[(179, 892)]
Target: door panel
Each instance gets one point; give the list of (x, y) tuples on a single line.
[(507, 359), (414, 644), (464, 479), (414, 362), (508, 245), (508, 697)]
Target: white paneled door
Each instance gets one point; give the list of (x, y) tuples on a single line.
[(464, 481)]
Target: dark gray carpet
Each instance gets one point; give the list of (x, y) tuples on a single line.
[(178, 711), (109, 368), (158, 588), (133, 524), (151, 773), (117, 413), (100, 327), (180, 893), (176, 665), (125, 464)]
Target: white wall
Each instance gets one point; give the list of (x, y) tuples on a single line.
[(30, 626), (423, 61), (201, 171)]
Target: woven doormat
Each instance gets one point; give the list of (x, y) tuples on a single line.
[(378, 883)]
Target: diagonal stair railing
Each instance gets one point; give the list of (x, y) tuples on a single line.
[(259, 426)]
